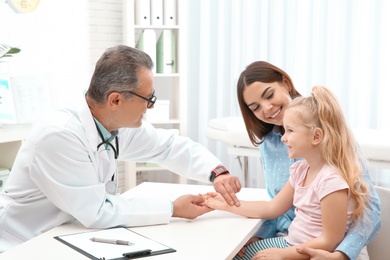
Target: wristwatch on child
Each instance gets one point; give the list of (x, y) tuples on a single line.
[(219, 170)]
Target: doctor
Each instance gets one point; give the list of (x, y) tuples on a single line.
[(67, 169)]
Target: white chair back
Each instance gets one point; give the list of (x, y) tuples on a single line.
[(379, 248)]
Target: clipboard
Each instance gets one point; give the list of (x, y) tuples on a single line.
[(82, 243)]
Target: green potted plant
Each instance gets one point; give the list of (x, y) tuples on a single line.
[(7, 51)]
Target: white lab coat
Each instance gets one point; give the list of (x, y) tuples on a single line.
[(59, 176)]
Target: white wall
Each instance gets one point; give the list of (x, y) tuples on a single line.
[(342, 45), (62, 39)]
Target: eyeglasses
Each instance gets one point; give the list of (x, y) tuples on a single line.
[(150, 100)]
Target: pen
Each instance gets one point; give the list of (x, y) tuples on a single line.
[(138, 253), (112, 241)]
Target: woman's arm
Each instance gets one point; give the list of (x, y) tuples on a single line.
[(366, 228)]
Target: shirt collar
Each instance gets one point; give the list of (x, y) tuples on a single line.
[(106, 134), (277, 130)]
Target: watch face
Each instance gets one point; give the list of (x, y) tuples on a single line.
[(23, 6), (219, 170)]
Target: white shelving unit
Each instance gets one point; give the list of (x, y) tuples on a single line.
[(168, 86)]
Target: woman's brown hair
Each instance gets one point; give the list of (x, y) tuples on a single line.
[(264, 72)]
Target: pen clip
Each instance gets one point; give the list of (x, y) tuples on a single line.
[(137, 254)]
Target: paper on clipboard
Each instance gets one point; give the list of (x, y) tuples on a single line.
[(82, 243)]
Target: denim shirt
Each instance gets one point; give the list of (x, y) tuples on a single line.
[(276, 167)]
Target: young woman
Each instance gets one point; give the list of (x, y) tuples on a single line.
[(264, 91), (327, 179)]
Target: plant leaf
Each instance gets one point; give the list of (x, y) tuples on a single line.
[(8, 51), (13, 50)]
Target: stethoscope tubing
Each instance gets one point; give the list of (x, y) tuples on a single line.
[(116, 155), (116, 150)]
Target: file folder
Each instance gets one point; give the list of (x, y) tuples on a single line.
[(140, 246), (156, 12), (170, 14), (166, 52), (147, 43), (142, 12)]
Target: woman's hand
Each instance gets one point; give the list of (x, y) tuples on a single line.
[(318, 254)]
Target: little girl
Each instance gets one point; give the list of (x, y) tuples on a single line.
[(326, 187)]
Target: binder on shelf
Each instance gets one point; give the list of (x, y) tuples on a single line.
[(114, 243), (156, 12), (166, 52), (142, 12), (170, 14), (147, 43)]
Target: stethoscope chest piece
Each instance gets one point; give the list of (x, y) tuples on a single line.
[(111, 187)]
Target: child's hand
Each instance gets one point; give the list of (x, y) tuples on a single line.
[(215, 200), (270, 254)]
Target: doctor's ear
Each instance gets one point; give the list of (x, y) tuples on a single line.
[(114, 99)]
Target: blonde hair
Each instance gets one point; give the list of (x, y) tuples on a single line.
[(338, 147)]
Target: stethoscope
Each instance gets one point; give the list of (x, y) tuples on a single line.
[(111, 186)]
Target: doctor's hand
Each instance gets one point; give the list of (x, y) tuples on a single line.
[(189, 206), (228, 185), (318, 254)]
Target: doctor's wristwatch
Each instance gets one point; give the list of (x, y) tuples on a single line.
[(219, 170)]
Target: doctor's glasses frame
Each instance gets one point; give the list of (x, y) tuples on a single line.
[(150, 100)]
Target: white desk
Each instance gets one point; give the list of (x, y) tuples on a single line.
[(215, 235)]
